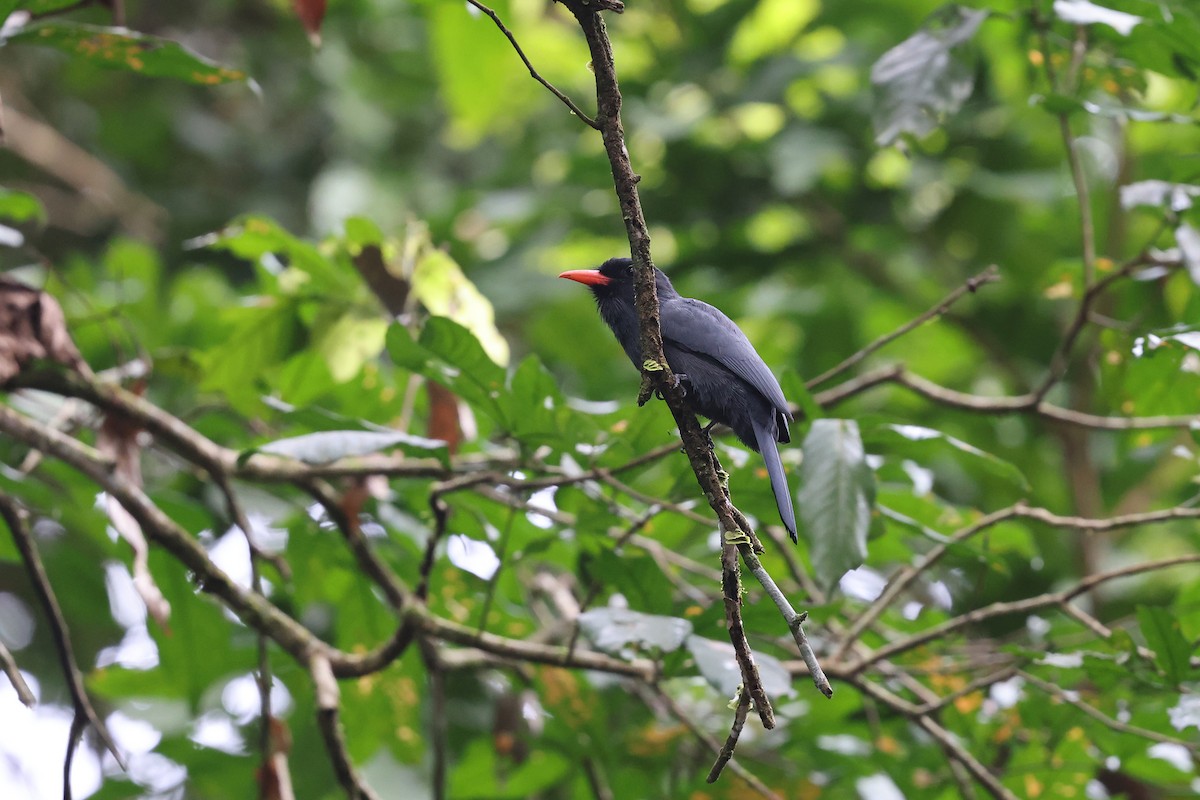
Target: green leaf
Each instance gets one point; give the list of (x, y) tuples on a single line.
[(20, 206), (614, 629), (439, 284), (1164, 636), (450, 354), (254, 238), (718, 664), (120, 48), (915, 442), (326, 446), (637, 577), (921, 80), (836, 498), (481, 774), (259, 338), (533, 402)]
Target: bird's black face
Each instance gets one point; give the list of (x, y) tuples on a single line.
[(614, 279), (617, 270)]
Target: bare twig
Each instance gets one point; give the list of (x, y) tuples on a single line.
[(735, 732), (731, 589), (1105, 719), (795, 622), (14, 517), (576, 110), (1017, 404), (658, 696), (905, 576), (328, 698), (972, 285), (979, 684), (24, 693), (1026, 605)]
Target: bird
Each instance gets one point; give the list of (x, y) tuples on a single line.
[(724, 377)]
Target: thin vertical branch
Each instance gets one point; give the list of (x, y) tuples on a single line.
[(328, 698), (14, 517)]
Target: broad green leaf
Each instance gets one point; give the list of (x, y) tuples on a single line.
[(637, 577), (450, 354), (120, 48), (259, 338), (325, 446), (20, 206), (1164, 636), (614, 629), (439, 283), (718, 664), (836, 498), (915, 442), (533, 403), (306, 269), (361, 231), (921, 80)]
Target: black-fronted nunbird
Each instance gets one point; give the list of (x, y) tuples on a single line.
[(725, 378)]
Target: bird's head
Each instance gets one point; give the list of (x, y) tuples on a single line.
[(614, 279)]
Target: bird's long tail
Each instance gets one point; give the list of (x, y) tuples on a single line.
[(765, 437)]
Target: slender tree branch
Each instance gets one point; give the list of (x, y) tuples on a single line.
[(259, 613), (735, 732), (1018, 404), (1026, 605), (972, 285), (14, 517), (979, 684), (795, 622), (1098, 715), (955, 750), (708, 740), (951, 746), (731, 589), (24, 693), (328, 699), (904, 577), (576, 110)]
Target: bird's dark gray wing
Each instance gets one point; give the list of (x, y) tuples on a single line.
[(695, 325)]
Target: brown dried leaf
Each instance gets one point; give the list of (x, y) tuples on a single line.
[(311, 14), (443, 416), (32, 326), (274, 776)]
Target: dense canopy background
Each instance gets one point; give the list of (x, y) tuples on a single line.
[(511, 561)]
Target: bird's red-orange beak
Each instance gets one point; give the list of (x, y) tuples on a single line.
[(591, 277)]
